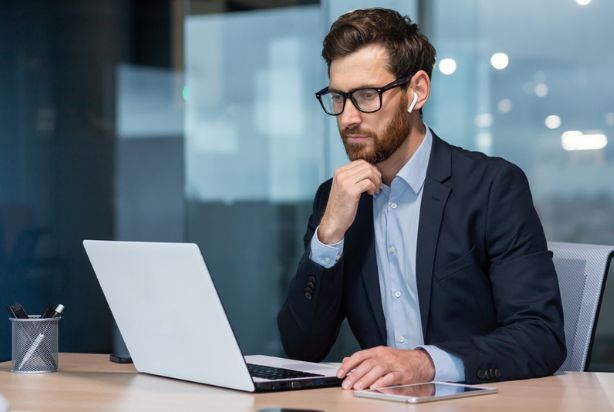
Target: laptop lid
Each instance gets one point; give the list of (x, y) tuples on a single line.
[(168, 311)]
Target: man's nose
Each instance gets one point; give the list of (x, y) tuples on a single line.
[(350, 116)]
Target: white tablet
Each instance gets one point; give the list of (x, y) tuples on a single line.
[(424, 392)]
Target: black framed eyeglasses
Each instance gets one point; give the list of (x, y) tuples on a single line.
[(365, 99)]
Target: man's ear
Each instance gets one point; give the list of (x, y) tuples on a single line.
[(420, 84)]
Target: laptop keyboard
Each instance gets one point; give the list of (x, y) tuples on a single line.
[(270, 372)]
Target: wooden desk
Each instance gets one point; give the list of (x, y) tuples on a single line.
[(89, 382)]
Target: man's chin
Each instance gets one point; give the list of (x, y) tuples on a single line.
[(366, 156), (359, 152)]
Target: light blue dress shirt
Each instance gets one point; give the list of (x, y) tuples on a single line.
[(396, 213)]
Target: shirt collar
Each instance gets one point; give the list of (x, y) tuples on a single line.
[(414, 171)]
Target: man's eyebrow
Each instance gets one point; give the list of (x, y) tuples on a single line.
[(366, 86)]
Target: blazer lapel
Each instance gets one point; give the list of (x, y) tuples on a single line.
[(370, 275), (434, 200)]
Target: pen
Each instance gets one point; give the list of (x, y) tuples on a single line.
[(47, 312), (31, 350), (58, 311), (19, 312), (11, 311)]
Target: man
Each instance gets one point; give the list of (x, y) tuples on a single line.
[(434, 254)]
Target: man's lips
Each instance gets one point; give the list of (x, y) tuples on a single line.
[(357, 138)]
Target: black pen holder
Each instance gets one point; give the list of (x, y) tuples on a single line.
[(34, 345)]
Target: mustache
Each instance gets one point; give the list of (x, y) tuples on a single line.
[(356, 130)]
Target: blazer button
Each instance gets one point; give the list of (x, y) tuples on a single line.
[(481, 374), (497, 373), (311, 284), (311, 279), (308, 295)]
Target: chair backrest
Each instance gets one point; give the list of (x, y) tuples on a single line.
[(582, 271)]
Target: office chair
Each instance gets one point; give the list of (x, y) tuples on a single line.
[(582, 271)]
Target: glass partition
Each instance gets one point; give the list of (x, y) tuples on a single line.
[(254, 155)]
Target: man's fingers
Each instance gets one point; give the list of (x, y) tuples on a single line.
[(356, 182), (358, 373), (355, 165), (377, 182), (350, 363), (374, 374), (391, 378), (358, 172), (367, 186), (352, 187)]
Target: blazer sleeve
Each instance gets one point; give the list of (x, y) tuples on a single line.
[(529, 340), (312, 313)]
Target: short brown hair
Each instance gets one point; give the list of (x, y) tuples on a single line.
[(408, 49)]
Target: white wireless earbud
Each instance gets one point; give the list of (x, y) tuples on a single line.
[(413, 103)]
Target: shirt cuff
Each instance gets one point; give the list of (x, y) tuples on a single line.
[(448, 368), (325, 255)]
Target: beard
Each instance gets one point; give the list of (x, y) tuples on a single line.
[(384, 145)]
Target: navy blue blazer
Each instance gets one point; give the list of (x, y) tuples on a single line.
[(487, 286)]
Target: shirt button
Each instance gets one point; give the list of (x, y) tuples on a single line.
[(392, 250), (326, 260), (401, 339), (393, 205), (397, 294)]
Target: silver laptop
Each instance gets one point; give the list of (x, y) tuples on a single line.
[(173, 322)]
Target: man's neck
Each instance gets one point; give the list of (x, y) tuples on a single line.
[(391, 166)]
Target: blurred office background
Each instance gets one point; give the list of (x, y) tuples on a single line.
[(195, 121)]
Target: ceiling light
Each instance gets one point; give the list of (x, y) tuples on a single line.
[(552, 122), (447, 66), (541, 90), (573, 140), (504, 105), (499, 61), (483, 120)]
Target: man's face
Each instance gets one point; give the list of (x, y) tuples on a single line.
[(373, 137)]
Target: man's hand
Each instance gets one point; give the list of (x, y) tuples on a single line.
[(349, 183), (385, 366)]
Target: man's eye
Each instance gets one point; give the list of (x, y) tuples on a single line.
[(336, 98), (368, 94)]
